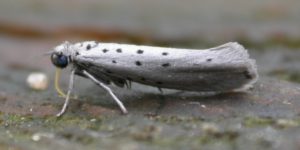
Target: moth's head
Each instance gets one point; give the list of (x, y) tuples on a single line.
[(60, 57)]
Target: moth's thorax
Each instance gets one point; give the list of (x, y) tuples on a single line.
[(66, 49)]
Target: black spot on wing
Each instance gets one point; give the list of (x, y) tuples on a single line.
[(138, 63), (209, 60), (88, 47), (119, 50), (105, 50), (140, 51), (165, 65), (165, 53)]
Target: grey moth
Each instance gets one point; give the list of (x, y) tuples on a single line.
[(226, 68)]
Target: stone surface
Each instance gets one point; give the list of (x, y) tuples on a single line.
[(267, 117)]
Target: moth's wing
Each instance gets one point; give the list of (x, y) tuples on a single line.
[(99, 73), (238, 57), (229, 56), (229, 67), (222, 68)]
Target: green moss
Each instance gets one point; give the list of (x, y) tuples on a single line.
[(174, 120), (17, 118), (157, 132), (78, 138), (257, 121), (66, 120), (292, 76), (14, 120), (226, 136)]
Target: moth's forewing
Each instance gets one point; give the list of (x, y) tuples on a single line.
[(224, 68)]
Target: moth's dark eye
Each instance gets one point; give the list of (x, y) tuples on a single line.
[(60, 61)]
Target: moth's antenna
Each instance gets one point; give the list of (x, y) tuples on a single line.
[(66, 44), (48, 53), (56, 83)]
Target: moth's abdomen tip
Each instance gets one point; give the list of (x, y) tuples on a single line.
[(235, 45), (251, 77), (253, 69)]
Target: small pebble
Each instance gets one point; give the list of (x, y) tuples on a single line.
[(3, 96), (93, 120), (210, 128), (286, 123), (37, 81), (37, 136)]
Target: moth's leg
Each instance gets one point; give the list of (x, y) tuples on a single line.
[(122, 107), (71, 85), (162, 104), (128, 84), (160, 90)]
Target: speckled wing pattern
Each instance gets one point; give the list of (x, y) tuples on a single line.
[(221, 69)]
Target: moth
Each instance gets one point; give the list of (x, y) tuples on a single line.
[(226, 68)]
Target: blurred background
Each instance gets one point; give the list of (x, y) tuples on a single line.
[(267, 118), (269, 28)]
